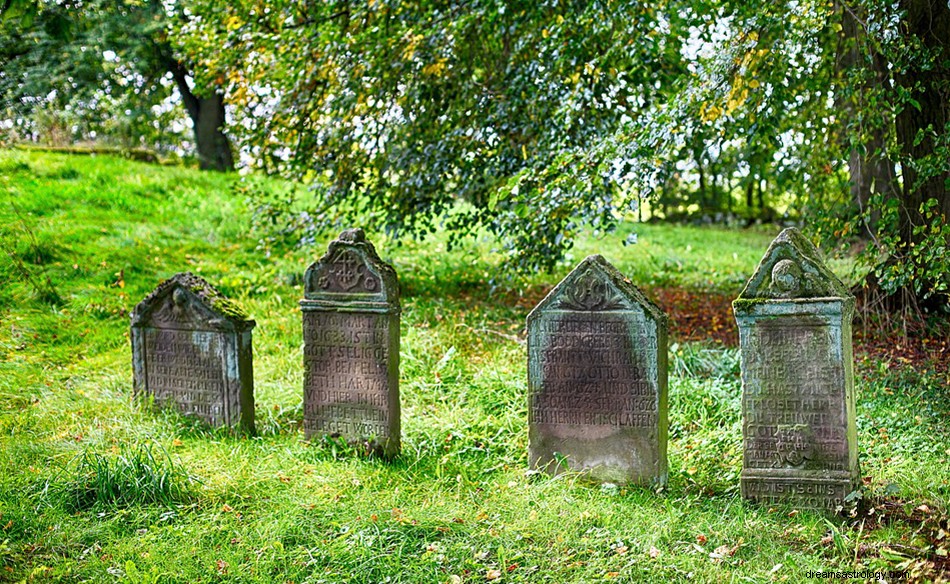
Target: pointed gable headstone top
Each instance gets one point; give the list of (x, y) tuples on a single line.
[(351, 270), (596, 285), (792, 268), (187, 301)]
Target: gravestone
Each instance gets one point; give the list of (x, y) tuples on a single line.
[(799, 435), (191, 350), (597, 379), (351, 346)]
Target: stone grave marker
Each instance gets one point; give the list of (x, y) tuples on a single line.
[(799, 435), (191, 350), (597, 379), (351, 346)]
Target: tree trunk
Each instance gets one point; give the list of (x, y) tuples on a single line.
[(214, 148), (871, 172), (930, 88), (207, 116), (922, 88)]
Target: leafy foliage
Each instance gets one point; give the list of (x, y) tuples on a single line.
[(402, 109), (547, 117)]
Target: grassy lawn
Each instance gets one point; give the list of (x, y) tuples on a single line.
[(85, 238)]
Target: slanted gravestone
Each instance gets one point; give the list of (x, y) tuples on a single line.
[(191, 350), (351, 346), (799, 436), (597, 379)]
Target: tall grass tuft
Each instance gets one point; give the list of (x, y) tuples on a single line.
[(135, 476)]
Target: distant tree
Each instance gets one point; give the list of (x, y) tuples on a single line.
[(52, 54)]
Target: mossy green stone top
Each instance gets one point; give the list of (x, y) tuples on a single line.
[(225, 314), (791, 269)]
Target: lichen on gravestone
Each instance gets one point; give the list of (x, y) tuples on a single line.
[(192, 351)]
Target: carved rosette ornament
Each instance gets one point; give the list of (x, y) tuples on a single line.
[(350, 270), (793, 445), (348, 273), (591, 293)]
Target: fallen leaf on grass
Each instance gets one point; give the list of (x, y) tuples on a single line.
[(493, 574), (654, 553), (722, 552)]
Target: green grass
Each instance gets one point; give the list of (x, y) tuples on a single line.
[(94, 487), (125, 479)]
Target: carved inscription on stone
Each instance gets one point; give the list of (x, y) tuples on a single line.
[(796, 414), (347, 376), (351, 346), (191, 350), (595, 375), (186, 368), (597, 382), (799, 434)]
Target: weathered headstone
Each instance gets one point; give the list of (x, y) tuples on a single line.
[(191, 350), (351, 346), (799, 436), (597, 379)]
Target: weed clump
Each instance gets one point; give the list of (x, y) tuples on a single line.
[(134, 477)]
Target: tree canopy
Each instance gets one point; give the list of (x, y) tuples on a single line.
[(548, 116), (534, 120)]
